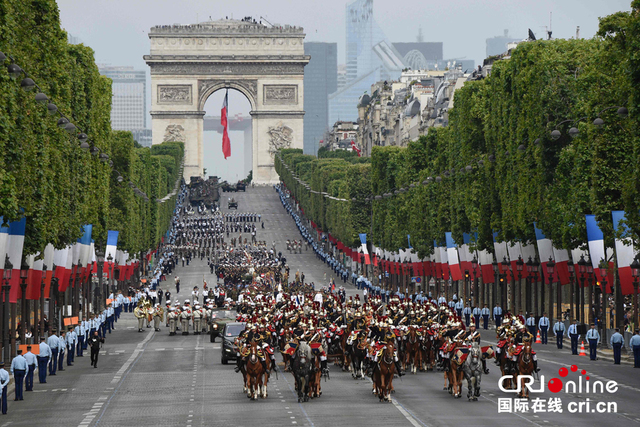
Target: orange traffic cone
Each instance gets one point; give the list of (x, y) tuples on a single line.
[(538, 339), (582, 350)]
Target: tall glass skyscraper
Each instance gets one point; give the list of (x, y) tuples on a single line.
[(320, 80), (370, 58)]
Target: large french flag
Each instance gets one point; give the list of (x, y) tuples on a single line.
[(597, 250), (84, 250), (624, 252), (224, 114), (444, 259), (363, 240), (452, 257), (12, 238)]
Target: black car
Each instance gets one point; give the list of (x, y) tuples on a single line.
[(229, 334)]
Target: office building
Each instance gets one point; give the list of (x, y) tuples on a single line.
[(320, 80), (498, 45), (128, 105)]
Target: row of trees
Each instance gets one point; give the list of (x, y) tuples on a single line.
[(44, 174), (496, 166)]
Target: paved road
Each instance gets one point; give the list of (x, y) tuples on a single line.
[(152, 379)]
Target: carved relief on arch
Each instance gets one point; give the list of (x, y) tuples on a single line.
[(207, 87)]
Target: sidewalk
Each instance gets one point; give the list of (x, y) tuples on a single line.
[(603, 352)]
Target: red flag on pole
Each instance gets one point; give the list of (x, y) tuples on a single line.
[(226, 143)]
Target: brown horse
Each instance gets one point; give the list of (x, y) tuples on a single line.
[(254, 373), (383, 373), (315, 389), (428, 349), (525, 367), (413, 354), (456, 374), (503, 363)]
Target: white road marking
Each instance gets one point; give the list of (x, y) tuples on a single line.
[(409, 418)]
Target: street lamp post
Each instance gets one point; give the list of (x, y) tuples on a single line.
[(591, 317), (572, 283), (601, 304), (476, 295), (535, 265), (527, 286), (466, 286), (582, 269), (496, 274), (111, 268), (97, 293), (24, 316), (503, 280), (519, 267), (38, 314), (551, 267), (8, 269), (635, 273)]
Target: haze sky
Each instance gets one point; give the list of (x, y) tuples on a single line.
[(117, 29)]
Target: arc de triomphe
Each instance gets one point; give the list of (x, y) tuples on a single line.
[(190, 62)]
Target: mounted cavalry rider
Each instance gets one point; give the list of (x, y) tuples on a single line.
[(473, 336)]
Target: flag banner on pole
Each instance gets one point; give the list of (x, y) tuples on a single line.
[(363, 240), (597, 250), (13, 241), (624, 252), (485, 259), (224, 113), (560, 256), (34, 276), (355, 148), (452, 257)]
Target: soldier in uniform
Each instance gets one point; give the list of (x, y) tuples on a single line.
[(158, 315), (185, 317), (140, 313), (197, 319), (172, 319)]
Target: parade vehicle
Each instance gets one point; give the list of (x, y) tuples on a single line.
[(218, 321), (232, 204), (241, 186), (203, 193), (228, 188), (230, 332)]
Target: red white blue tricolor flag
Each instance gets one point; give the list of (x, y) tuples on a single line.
[(363, 240), (226, 143)]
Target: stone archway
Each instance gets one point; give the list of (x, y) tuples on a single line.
[(188, 63)]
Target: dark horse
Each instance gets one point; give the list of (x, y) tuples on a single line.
[(358, 355), (301, 368)]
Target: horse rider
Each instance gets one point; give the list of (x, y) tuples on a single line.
[(473, 336)]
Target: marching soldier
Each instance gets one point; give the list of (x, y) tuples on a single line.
[(172, 318), (140, 313), (197, 320), (185, 317), (158, 315)]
